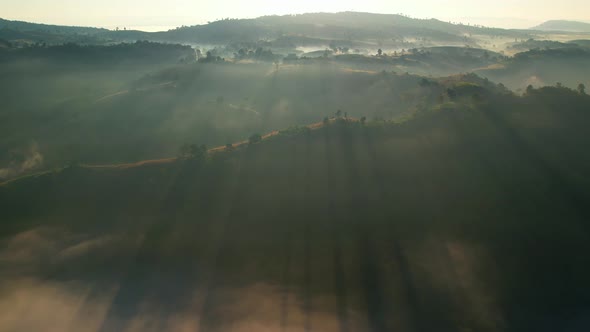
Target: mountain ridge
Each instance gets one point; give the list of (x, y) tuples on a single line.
[(563, 25), (342, 25)]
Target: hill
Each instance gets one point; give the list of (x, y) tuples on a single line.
[(27, 33), (381, 30), (568, 65), (563, 25), (387, 29), (162, 104), (470, 215), (47, 28)]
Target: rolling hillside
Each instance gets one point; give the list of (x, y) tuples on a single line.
[(468, 216), (386, 29), (562, 25)]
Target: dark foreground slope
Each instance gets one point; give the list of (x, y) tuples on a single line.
[(465, 218)]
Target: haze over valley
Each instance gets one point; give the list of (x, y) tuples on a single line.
[(308, 171)]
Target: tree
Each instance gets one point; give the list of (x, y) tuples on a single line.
[(451, 93), (326, 121), (338, 113), (198, 153), (193, 152), (256, 138), (582, 88), (184, 151), (363, 120), (558, 85), (258, 52), (529, 89), (424, 82), (379, 52)]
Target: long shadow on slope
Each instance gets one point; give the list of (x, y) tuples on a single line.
[(153, 274), (370, 276)]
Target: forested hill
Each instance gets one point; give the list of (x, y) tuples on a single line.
[(562, 25), (47, 28), (25, 32), (343, 26), (472, 215), (346, 26)]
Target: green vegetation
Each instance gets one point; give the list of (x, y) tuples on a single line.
[(540, 67), (315, 172), (103, 114), (462, 213), (563, 25)]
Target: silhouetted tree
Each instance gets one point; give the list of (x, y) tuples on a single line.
[(451, 93), (198, 153), (338, 113), (183, 153), (193, 152), (582, 88), (379, 52), (529, 89), (256, 138), (363, 120), (424, 82)]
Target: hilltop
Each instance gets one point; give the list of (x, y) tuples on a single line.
[(47, 28), (338, 26), (455, 218), (347, 27), (563, 25)]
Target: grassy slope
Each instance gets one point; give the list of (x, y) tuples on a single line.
[(95, 115)]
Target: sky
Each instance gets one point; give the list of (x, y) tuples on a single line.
[(152, 15)]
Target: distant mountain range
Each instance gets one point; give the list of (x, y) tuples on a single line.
[(562, 25), (346, 26), (47, 28), (346, 29)]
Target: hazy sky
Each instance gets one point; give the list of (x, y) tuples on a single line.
[(156, 14)]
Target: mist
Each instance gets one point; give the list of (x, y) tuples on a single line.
[(345, 171)]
